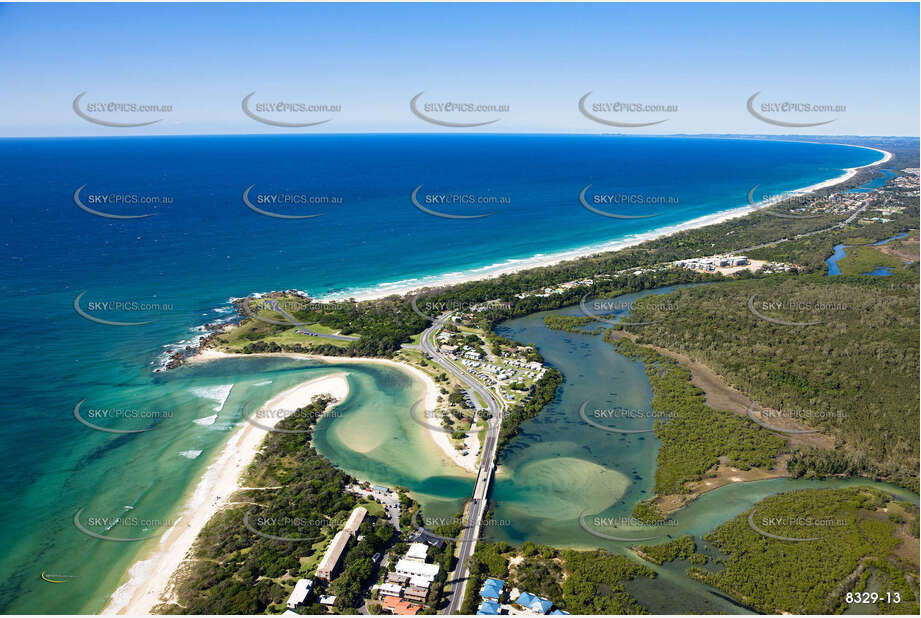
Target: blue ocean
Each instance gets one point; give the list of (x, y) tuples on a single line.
[(373, 213)]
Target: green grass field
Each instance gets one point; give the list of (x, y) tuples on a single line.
[(860, 260), (253, 330)]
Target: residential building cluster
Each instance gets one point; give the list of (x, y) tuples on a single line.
[(495, 602), (491, 373), (710, 264), (907, 182), (547, 291), (495, 371), (407, 586)]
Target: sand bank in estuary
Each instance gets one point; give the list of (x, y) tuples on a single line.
[(466, 462)]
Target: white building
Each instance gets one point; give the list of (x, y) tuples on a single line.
[(420, 582), (418, 552), (390, 589), (418, 571), (301, 589)]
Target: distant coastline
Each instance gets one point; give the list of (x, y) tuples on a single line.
[(408, 286)]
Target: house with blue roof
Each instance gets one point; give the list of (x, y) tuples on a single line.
[(534, 603), (559, 612), (488, 608), (492, 589)]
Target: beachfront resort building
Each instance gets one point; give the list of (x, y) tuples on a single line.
[(301, 590), (355, 519), (337, 546), (712, 263), (333, 553)]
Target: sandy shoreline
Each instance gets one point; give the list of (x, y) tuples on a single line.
[(515, 265), (149, 579), (440, 438)]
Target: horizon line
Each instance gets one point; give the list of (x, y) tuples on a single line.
[(463, 133)]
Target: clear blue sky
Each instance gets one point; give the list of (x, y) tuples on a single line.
[(538, 59)]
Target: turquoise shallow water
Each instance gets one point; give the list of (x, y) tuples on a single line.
[(373, 437), (144, 477)]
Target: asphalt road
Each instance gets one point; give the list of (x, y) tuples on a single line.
[(470, 534)]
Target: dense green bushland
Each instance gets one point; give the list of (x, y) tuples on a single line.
[(683, 548), (694, 436), (854, 374), (811, 577), (543, 393)]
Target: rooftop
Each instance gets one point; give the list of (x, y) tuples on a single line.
[(391, 589), (300, 592), (429, 539), (327, 599), (333, 552), (355, 519), (417, 569), (488, 608), (418, 551), (492, 588), (534, 602), (400, 607)]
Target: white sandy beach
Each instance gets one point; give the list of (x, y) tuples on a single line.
[(149, 579), (466, 462), (492, 271), (849, 172)]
